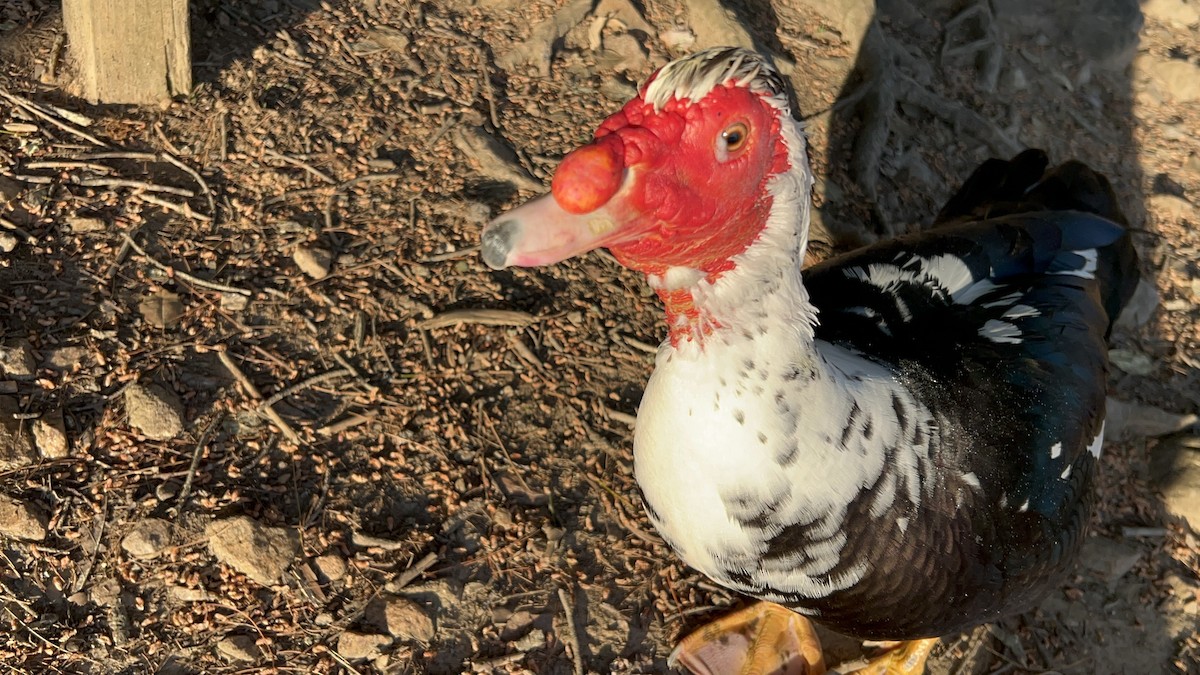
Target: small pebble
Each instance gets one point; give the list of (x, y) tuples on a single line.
[(21, 520), (153, 411), (357, 646), (147, 538), (239, 648), (313, 261)]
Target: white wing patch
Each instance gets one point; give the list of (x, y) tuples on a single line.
[(1097, 443), (1056, 450), (1021, 311), (946, 274), (1000, 332), (1088, 271)]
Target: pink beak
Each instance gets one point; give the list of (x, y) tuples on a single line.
[(584, 211)]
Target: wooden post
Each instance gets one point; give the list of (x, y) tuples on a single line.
[(130, 51)]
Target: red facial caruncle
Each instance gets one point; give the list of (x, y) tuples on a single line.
[(684, 185)]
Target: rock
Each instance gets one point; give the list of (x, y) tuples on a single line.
[(532, 640), (68, 359), (1141, 306), (83, 224), (493, 158), (1175, 471), (147, 538), (716, 26), (1173, 78), (1131, 361), (332, 566), (851, 18), (623, 54), (105, 592), (1172, 207), (313, 261), (50, 435), (677, 39), (8, 242), (185, 594), (162, 309), (153, 411), (1134, 420), (16, 444), (1175, 12), (625, 12), (21, 520), (239, 648), (260, 552), (16, 359), (357, 646), (234, 302), (617, 89), (1109, 559), (399, 617), (1192, 164)]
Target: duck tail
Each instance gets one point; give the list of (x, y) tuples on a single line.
[(1024, 185)]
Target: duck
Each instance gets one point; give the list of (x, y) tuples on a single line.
[(899, 442)]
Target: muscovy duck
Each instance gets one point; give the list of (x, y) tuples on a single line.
[(898, 442)]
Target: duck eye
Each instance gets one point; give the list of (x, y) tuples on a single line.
[(732, 139)]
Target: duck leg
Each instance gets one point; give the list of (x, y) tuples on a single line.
[(760, 639), (904, 658)]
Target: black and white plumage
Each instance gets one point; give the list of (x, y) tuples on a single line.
[(899, 441)]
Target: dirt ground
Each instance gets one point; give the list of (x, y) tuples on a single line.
[(265, 410)]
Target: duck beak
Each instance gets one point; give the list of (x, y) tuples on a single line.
[(541, 232), (585, 210)]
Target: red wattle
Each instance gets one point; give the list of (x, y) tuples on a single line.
[(588, 177)]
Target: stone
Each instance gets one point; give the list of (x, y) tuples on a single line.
[(8, 242), (260, 552), (851, 18), (234, 302), (1140, 307), (1124, 420), (313, 261), (50, 435), (69, 358), (1131, 361), (16, 359), (239, 648), (332, 566), (1175, 471), (1172, 207), (399, 617), (1176, 79), (22, 520), (84, 224), (1109, 559), (147, 538), (357, 646), (1175, 12), (16, 442), (153, 411)]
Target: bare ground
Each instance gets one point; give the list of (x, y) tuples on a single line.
[(294, 261)]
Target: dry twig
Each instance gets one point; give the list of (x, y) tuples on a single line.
[(257, 395), (211, 285), (482, 317), (36, 110), (572, 632)]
